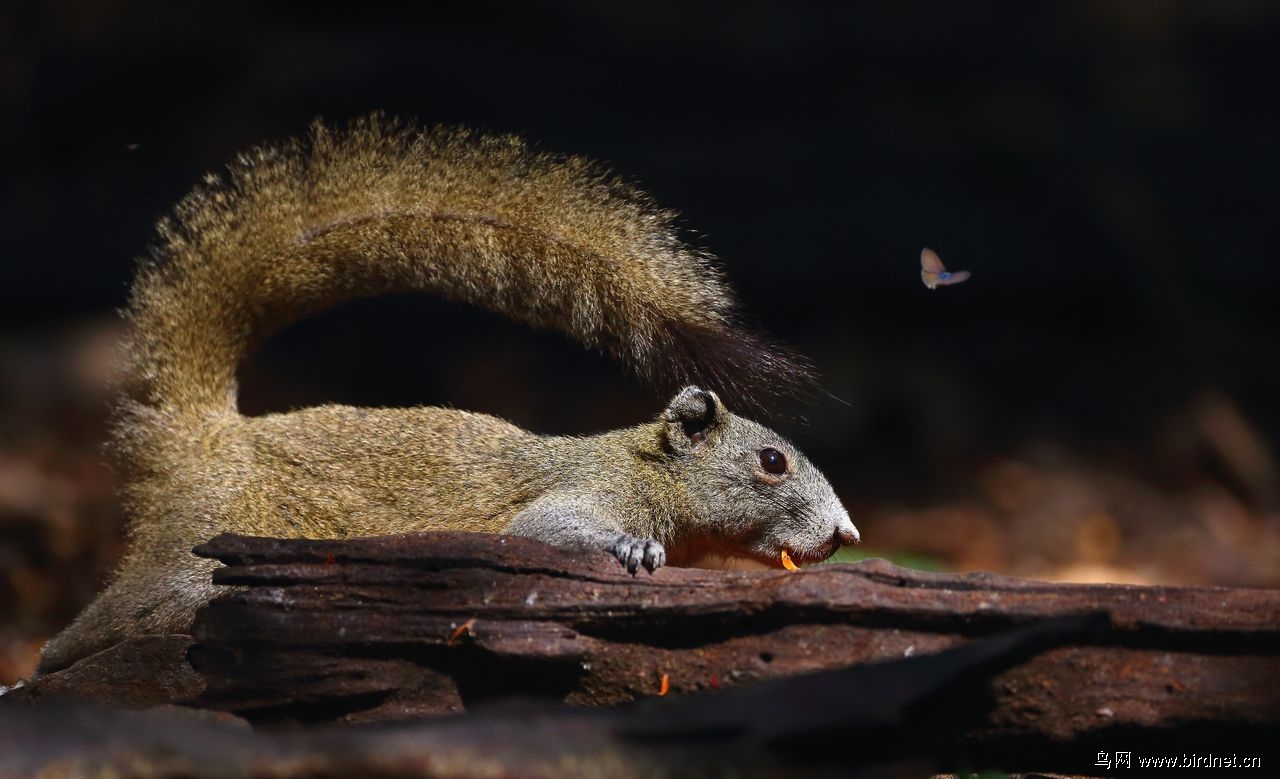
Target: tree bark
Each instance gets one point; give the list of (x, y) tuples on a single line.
[(382, 629)]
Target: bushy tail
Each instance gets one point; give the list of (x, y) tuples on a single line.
[(381, 207)]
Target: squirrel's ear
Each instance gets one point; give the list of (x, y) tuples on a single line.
[(691, 417)]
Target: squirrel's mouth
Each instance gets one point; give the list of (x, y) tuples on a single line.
[(815, 555)]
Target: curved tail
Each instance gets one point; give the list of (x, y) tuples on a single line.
[(381, 207)]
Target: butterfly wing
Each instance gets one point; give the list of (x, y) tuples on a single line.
[(934, 274), (931, 268)]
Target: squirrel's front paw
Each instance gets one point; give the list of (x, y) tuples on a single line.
[(634, 552)]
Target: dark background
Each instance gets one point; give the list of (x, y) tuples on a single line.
[(1097, 402)]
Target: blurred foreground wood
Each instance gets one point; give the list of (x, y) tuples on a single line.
[(817, 672)]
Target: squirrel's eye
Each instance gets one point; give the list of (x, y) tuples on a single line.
[(773, 461)]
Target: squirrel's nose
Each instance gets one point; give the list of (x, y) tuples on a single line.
[(847, 534)]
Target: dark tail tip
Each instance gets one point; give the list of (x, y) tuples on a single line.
[(747, 368)]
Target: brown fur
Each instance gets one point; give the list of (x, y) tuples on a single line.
[(552, 242)]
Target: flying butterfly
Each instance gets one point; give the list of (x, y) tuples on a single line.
[(934, 274)]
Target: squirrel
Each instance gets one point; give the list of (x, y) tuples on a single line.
[(554, 242)]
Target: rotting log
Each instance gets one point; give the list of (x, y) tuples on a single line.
[(137, 673), (934, 671), (871, 720), (396, 628), (904, 718)]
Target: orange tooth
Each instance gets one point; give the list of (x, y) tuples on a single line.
[(786, 562)]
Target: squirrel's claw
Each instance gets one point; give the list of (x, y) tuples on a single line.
[(634, 552)]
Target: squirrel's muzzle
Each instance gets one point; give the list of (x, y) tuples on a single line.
[(846, 533)]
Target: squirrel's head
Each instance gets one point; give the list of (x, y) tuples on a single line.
[(753, 493)]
